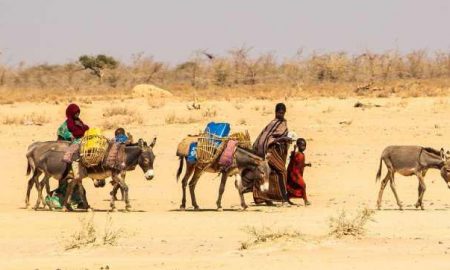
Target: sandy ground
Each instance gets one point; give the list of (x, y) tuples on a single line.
[(155, 234)]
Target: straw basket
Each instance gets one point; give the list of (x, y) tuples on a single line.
[(93, 149), (209, 147), (243, 139)]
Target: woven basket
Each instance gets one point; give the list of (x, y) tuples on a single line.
[(209, 147), (93, 149), (243, 139)]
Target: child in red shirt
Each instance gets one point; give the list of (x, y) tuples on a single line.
[(296, 186)]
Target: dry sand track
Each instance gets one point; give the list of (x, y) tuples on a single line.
[(344, 147)]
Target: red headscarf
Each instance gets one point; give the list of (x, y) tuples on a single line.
[(77, 129)]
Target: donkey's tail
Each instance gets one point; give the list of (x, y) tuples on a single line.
[(379, 171), (180, 167), (28, 167)]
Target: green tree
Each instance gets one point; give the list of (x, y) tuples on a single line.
[(98, 63)]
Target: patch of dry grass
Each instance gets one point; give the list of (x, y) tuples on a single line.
[(209, 113), (37, 119), (156, 103), (120, 116), (89, 235), (354, 226), (175, 119), (263, 235)]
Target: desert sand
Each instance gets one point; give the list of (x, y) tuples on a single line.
[(344, 146)]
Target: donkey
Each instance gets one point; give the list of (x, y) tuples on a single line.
[(245, 163), (408, 161), (50, 163)]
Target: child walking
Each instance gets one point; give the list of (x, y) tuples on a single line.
[(296, 185)]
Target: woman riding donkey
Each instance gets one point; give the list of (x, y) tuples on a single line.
[(273, 143), (72, 130)]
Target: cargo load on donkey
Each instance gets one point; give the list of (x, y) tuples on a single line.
[(93, 147), (214, 141)]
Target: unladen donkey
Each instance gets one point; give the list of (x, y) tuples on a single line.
[(411, 160)]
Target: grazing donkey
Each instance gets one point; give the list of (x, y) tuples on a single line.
[(245, 163), (50, 163), (408, 161)]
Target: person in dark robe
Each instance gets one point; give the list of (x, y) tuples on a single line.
[(296, 185), (273, 144)]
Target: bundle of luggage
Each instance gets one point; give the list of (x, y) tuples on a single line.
[(93, 147), (215, 141)]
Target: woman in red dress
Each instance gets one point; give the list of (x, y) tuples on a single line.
[(296, 186)]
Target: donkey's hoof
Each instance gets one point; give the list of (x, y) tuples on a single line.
[(128, 208), (219, 209), (182, 208), (114, 210), (90, 209), (417, 205), (196, 208)]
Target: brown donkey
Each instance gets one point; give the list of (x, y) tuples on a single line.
[(245, 164)]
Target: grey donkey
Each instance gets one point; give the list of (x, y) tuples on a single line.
[(49, 162), (410, 160)]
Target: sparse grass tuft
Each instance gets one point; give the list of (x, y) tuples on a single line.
[(85, 236), (209, 113), (156, 103), (28, 119), (343, 225), (120, 116), (174, 119), (88, 234), (266, 235)]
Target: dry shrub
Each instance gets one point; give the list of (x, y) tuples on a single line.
[(262, 235), (209, 113), (120, 116), (36, 119), (175, 119), (85, 236), (89, 235), (343, 225), (156, 103), (242, 122)]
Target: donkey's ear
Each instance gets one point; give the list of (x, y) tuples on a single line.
[(153, 142), (141, 143), (443, 155)]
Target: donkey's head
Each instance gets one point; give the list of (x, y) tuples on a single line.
[(254, 168), (147, 158), (445, 170)]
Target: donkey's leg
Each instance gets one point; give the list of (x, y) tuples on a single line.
[(113, 193), (192, 184), (46, 183), (29, 187), (82, 193), (39, 188), (124, 187), (67, 198), (394, 190), (383, 185), (223, 181), (189, 170), (240, 188), (112, 202), (422, 188)]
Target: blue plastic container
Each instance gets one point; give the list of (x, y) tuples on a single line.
[(219, 129), (192, 156)]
